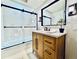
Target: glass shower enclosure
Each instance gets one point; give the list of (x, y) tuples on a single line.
[(17, 26)]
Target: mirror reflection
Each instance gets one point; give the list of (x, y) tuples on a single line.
[(55, 14)]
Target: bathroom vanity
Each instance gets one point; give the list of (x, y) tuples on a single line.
[(48, 45)]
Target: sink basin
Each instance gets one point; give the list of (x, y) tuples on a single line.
[(51, 32)]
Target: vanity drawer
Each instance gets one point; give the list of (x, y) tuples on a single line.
[(50, 41), (48, 53)]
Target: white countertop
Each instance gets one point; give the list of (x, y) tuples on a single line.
[(50, 33)]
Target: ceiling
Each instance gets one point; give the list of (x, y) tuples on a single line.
[(38, 4), (60, 5), (34, 4)]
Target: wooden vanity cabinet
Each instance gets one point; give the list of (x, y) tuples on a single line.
[(54, 48), (37, 44), (48, 47)]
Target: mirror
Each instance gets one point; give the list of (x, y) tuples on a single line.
[(55, 14)]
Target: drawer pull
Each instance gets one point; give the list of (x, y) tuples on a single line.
[(48, 52), (48, 42)]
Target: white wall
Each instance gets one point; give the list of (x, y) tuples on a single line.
[(71, 38)]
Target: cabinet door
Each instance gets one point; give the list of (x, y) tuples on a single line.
[(40, 46), (48, 53), (34, 41)]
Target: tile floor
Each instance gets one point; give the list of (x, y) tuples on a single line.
[(23, 51)]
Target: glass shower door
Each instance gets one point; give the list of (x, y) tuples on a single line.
[(29, 25), (17, 27), (12, 27)]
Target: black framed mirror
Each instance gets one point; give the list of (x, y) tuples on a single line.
[(56, 10)]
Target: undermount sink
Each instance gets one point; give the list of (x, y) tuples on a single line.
[(51, 32)]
